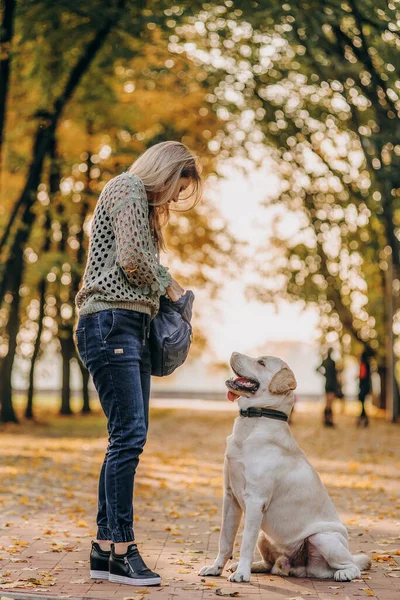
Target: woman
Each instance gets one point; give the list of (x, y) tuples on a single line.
[(121, 290)]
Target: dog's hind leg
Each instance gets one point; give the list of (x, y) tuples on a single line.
[(231, 515), (268, 551), (256, 567), (282, 566), (269, 555), (272, 560), (362, 561), (260, 566), (332, 547)]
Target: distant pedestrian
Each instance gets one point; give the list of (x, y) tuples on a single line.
[(365, 388), (328, 369), (339, 392)]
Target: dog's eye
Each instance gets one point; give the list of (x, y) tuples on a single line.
[(261, 362)]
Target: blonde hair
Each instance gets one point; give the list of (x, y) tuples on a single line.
[(160, 168)]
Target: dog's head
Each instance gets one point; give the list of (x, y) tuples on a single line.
[(266, 381)]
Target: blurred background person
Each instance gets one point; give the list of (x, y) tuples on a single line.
[(328, 369), (365, 388)]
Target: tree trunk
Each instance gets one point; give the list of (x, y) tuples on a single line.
[(6, 36), (48, 125), (29, 403), (396, 401), (13, 274), (85, 388), (392, 390), (44, 133), (80, 257), (67, 352), (380, 401), (7, 413)]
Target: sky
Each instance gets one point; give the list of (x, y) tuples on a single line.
[(236, 322)]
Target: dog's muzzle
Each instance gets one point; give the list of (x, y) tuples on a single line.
[(239, 385)]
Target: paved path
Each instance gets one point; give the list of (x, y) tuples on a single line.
[(47, 501)]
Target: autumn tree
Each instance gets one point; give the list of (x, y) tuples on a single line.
[(318, 83), (94, 114)]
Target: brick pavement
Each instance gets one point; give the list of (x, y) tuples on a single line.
[(178, 515)]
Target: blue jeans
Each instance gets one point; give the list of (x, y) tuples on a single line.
[(113, 345)]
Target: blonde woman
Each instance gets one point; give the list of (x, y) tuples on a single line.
[(120, 294)]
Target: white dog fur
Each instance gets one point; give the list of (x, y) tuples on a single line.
[(269, 479)]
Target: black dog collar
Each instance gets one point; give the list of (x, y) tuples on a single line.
[(263, 412)]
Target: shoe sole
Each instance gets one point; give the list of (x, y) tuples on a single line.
[(132, 581), (98, 574)]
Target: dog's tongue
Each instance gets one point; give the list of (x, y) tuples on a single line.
[(231, 396)]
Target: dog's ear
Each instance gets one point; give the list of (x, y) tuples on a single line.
[(282, 382)]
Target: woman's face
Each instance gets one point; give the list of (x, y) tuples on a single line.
[(182, 185)]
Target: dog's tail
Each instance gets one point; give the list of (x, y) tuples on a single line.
[(362, 561)]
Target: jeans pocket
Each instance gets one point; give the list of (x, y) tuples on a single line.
[(80, 343), (107, 323)]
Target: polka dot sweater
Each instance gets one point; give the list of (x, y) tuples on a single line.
[(122, 269)]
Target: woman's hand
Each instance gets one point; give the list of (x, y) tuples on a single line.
[(175, 291)]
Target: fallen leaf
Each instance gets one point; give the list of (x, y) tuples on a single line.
[(335, 587), (82, 524), (230, 593), (18, 560), (14, 584)]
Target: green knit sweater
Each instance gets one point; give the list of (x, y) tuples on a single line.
[(122, 269)]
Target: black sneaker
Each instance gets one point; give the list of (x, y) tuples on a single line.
[(130, 568), (99, 562)]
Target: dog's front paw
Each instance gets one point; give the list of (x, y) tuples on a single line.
[(347, 574), (215, 571), (240, 575), (232, 568)]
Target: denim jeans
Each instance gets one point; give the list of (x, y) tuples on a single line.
[(113, 345)]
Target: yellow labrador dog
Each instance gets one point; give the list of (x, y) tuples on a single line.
[(269, 479)]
